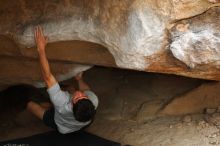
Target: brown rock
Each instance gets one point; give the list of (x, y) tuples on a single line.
[(130, 34), (210, 110), (195, 101), (24, 70)]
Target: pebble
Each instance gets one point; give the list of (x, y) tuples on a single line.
[(202, 124), (187, 119), (214, 135), (214, 142), (210, 110), (189, 124), (171, 126)]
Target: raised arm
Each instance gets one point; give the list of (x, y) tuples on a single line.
[(82, 85), (41, 43)]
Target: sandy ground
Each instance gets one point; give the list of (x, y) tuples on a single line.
[(127, 113)]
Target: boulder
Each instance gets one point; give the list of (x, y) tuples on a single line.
[(169, 36)]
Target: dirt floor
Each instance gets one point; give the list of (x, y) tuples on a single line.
[(127, 113)]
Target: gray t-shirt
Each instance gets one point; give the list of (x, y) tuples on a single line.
[(64, 117)]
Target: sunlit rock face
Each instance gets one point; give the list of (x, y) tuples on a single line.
[(196, 41), (169, 36)]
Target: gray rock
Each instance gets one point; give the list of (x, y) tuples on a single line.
[(210, 110)]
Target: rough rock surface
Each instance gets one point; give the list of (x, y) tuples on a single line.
[(129, 117), (147, 35), (21, 70), (195, 101), (196, 41)]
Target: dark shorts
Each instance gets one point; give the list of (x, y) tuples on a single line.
[(48, 118)]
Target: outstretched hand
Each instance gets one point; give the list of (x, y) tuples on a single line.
[(40, 39), (79, 76)]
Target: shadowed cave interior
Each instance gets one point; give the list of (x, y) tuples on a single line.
[(129, 109)]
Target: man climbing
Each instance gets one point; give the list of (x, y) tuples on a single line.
[(69, 113)]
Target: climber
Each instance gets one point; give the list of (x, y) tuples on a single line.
[(70, 112)]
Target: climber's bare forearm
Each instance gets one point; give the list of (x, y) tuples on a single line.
[(41, 42), (45, 70)]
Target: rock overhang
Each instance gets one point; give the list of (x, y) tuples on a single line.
[(154, 36)]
